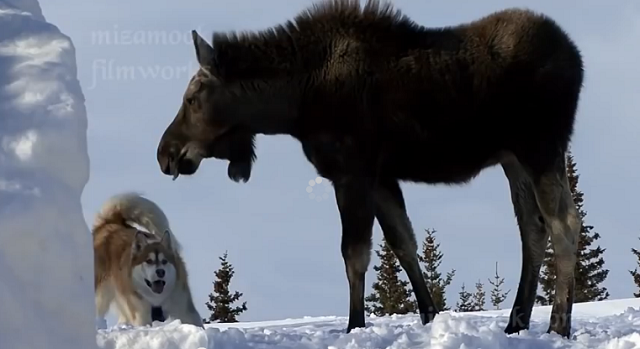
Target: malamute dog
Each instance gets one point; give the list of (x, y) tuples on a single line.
[(139, 270)]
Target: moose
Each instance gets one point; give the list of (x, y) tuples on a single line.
[(375, 99)]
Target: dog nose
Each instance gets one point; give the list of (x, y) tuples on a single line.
[(160, 273)]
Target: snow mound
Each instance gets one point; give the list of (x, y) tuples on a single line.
[(607, 325), (46, 255)]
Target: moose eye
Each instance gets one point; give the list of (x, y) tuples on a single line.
[(149, 261), (190, 101)]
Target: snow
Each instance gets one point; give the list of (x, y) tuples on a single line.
[(613, 324), (46, 255)]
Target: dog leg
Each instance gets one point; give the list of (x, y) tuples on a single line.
[(125, 309), (181, 307), (141, 313), (191, 314), (105, 295)]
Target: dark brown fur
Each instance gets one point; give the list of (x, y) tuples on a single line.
[(375, 98)]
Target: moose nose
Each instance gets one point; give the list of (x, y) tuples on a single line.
[(167, 153), (164, 159), (164, 164), (160, 273)]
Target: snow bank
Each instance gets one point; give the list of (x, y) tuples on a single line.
[(607, 325), (46, 255)]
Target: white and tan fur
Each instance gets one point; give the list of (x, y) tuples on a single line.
[(129, 261)]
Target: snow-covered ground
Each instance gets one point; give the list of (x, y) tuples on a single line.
[(607, 325), (46, 259)]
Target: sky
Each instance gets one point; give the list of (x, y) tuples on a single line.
[(285, 247)]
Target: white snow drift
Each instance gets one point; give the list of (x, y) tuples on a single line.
[(46, 259), (606, 325)]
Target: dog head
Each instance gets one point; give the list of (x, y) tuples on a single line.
[(153, 266)]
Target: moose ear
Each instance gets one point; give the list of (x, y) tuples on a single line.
[(139, 241), (204, 51)]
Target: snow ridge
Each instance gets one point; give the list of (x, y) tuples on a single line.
[(46, 259), (608, 325)]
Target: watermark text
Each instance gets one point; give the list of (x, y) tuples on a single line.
[(118, 36), (110, 70)]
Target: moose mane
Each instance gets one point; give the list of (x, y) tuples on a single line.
[(303, 44)]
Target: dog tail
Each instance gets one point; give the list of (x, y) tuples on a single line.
[(131, 207)]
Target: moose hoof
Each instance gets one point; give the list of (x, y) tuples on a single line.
[(511, 329), (563, 331), (427, 318)]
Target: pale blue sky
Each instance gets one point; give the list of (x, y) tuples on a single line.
[(286, 247)]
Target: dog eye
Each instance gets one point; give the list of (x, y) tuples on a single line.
[(149, 261), (164, 261)]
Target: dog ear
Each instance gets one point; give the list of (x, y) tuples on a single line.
[(166, 239), (139, 241)]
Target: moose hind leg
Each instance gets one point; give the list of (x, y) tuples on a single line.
[(563, 222), (533, 236), (355, 203), (398, 233)]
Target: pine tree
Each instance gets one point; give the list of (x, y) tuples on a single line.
[(464, 304), (635, 273), (589, 270), (390, 294), (431, 259), (548, 277), (497, 295), (478, 299), (220, 300)]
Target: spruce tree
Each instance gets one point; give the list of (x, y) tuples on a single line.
[(221, 299), (497, 295), (390, 294), (589, 270), (431, 258), (547, 279), (464, 303), (635, 273), (478, 299)]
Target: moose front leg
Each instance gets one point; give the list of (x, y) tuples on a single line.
[(391, 214), (356, 205)]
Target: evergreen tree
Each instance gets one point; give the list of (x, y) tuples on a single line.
[(589, 270), (431, 259), (548, 277), (221, 299), (497, 295), (465, 303), (390, 293), (635, 273), (478, 299)]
